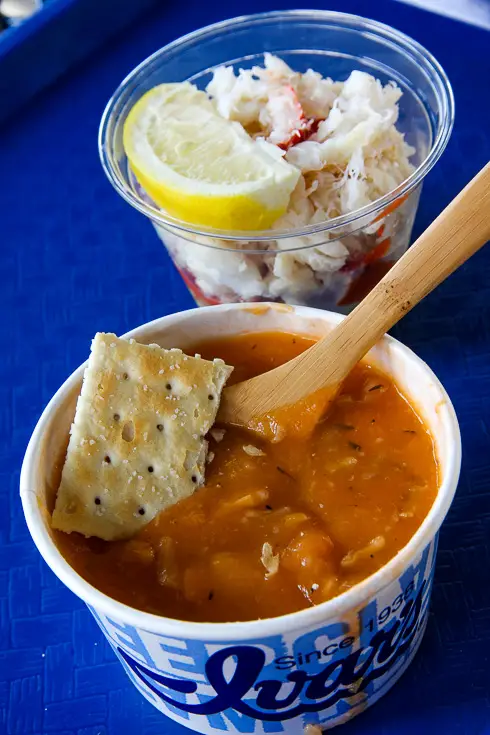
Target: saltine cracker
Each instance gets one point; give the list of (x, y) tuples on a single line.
[(137, 442)]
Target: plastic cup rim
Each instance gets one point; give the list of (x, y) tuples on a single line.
[(387, 34)]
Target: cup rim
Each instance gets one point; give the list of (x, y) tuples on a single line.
[(385, 34), (349, 600)]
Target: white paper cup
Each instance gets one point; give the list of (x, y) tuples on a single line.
[(321, 665)]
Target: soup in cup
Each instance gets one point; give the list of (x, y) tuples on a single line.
[(293, 587)]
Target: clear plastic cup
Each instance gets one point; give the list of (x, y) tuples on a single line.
[(282, 265)]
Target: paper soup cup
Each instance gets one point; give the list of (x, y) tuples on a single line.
[(321, 665)]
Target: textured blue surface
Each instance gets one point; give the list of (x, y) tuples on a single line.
[(74, 258), (60, 35)]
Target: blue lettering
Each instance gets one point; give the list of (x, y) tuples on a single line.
[(331, 684), (269, 690)]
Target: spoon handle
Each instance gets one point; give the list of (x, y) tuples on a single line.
[(459, 231)]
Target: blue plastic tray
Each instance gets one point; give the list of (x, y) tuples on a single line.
[(74, 258), (61, 34)]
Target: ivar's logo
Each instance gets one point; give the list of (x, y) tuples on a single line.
[(309, 692)]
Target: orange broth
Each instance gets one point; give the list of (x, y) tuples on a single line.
[(334, 508)]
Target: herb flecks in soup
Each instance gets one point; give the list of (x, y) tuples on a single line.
[(278, 527)]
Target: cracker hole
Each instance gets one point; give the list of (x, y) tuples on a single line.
[(107, 459), (194, 478), (125, 376), (141, 511), (117, 417), (160, 427), (210, 397), (150, 469), (127, 432), (169, 386), (97, 501)]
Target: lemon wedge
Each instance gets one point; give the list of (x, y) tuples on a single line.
[(200, 167)]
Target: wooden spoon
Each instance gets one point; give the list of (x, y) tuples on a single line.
[(315, 376)]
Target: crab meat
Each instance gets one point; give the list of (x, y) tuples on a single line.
[(286, 119)]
